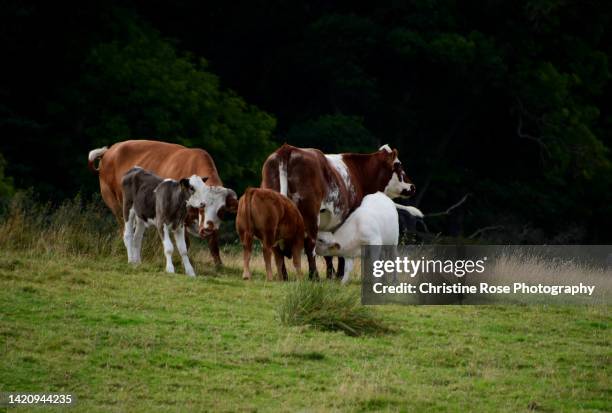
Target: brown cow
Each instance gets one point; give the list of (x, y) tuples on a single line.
[(167, 160), (273, 219), (326, 188)]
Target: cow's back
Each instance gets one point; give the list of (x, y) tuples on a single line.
[(167, 160), (307, 164), (379, 212), (138, 187), (310, 180), (262, 210)]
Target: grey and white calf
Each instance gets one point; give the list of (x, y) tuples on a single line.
[(151, 200)]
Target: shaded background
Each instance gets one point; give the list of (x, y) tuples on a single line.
[(507, 101)]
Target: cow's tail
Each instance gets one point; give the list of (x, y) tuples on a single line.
[(282, 176), (94, 155), (411, 210), (246, 212), (275, 170)]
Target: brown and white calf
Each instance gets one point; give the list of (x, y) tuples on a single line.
[(151, 200), (167, 160), (326, 188), (277, 223)]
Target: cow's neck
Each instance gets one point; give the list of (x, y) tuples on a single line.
[(370, 173)]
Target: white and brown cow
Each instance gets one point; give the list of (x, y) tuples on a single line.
[(326, 188), (167, 160)]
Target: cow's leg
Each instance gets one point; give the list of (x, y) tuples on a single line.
[(213, 245), (187, 241), (267, 254), (168, 248), (281, 270), (137, 242), (114, 202), (309, 250), (329, 263), (311, 227), (247, 247), (331, 273), (296, 255), (340, 272), (310, 243), (128, 234), (347, 273), (284, 268), (181, 245)]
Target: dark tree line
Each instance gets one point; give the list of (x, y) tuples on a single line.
[(508, 101)]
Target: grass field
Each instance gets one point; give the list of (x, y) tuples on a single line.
[(125, 339), (136, 339)]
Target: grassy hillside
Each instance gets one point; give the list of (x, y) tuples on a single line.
[(125, 339), (75, 318)]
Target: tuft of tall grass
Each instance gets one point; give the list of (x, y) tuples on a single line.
[(328, 306)]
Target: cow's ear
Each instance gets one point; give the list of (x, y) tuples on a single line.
[(392, 156), (336, 246), (204, 178), (185, 184)]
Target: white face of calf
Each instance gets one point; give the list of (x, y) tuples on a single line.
[(326, 244), (197, 188), (216, 201)]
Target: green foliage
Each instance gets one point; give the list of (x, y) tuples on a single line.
[(503, 100), (328, 306), (158, 93), (565, 125), (333, 134), (337, 49)]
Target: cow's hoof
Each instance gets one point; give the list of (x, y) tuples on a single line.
[(246, 277)]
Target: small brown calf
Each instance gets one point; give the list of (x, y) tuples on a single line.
[(277, 223)]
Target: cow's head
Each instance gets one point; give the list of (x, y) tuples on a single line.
[(195, 187), (326, 244), (398, 184), (217, 201)]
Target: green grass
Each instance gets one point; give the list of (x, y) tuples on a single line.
[(75, 318), (127, 339)]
